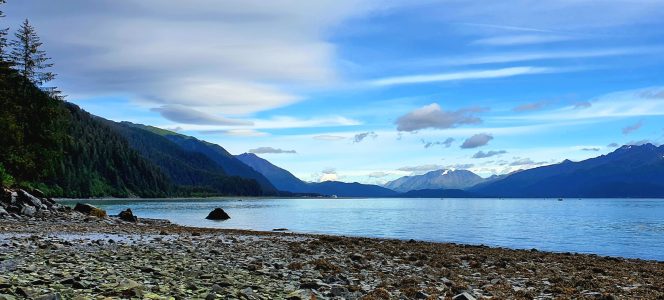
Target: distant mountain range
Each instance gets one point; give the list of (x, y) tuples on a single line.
[(629, 171), (285, 181), (439, 179)]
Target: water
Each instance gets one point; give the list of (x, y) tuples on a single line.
[(615, 227)]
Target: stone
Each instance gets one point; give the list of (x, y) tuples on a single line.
[(218, 214), (28, 211), (54, 296), (3, 212), (463, 296), (25, 197), (90, 210), (128, 216), (421, 295)]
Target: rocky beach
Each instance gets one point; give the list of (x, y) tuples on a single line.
[(55, 252)]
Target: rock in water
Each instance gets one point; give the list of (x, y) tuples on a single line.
[(90, 210), (218, 214), (128, 216)]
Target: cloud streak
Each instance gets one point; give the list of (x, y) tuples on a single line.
[(186, 115), (632, 128), (482, 154), (464, 75), (270, 150)]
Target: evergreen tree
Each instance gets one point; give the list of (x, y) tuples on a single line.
[(27, 56), (3, 38)]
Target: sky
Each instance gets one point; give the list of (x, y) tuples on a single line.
[(368, 91)]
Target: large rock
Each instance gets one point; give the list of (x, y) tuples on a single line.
[(3, 212), (28, 210), (90, 210), (128, 216), (25, 197), (218, 214)]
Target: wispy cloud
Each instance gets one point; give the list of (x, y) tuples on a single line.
[(361, 136), (631, 103), (631, 128), (532, 106), (463, 75), (512, 40), (270, 150), (326, 137), (185, 115), (236, 132), (482, 154)]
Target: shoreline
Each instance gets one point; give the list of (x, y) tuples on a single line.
[(162, 260)]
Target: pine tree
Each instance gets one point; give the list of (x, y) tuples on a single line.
[(27, 57), (3, 38)]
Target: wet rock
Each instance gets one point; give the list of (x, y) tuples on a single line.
[(218, 214), (128, 216), (463, 296), (90, 210), (25, 197), (28, 210), (3, 212), (54, 296)]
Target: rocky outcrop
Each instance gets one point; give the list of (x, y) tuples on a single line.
[(20, 203), (128, 216), (90, 210), (218, 214)]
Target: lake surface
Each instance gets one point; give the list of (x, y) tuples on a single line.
[(616, 227)]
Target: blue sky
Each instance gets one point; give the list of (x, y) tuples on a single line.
[(369, 90)]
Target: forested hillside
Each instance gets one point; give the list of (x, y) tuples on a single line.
[(192, 170)]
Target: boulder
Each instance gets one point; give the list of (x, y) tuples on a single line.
[(218, 214), (28, 210), (3, 212), (128, 215), (26, 197), (90, 210)]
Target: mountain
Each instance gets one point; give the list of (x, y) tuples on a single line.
[(194, 171), (629, 171), (280, 178), (439, 179), (286, 181), (229, 163), (64, 151), (439, 193)]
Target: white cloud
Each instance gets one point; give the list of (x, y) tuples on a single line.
[(327, 137), (432, 116), (631, 103), (220, 57), (477, 140), (463, 75), (237, 132), (185, 115), (524, 39), (270, 150)]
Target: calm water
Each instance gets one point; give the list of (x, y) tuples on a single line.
[(616, 227)]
